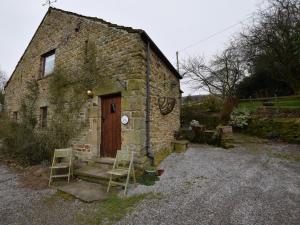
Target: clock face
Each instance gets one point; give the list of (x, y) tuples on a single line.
[(124, 120)]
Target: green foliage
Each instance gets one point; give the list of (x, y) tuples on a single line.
[(262, 84), (202, 137), (20, 141), (66, 101), (239, 118), (30, 144), (199, 113), (290, 102), (28, 105), (286, 129), (211, 103), (186, 134), (271, 44), (148, 179)]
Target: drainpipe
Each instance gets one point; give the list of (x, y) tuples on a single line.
[(148, 100)]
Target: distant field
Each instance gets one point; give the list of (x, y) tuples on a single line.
[(290, 102)]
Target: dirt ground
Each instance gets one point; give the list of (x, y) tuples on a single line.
[(257, 182)]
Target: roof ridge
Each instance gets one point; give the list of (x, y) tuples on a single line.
[(97, 19)]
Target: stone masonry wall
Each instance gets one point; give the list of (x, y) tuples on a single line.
[(163, 83), (120, 64)]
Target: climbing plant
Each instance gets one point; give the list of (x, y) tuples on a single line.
[(20, 141), (67, 94)]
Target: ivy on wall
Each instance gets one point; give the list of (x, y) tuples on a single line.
[(30, 144)]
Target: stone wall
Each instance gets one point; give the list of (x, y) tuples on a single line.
[(164, 83), (120, 68)]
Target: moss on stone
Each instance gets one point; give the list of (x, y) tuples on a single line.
[(179, 146), (161, 155), (112, 209), (58, 195)]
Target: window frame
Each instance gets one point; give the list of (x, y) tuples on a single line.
[(43, 62)]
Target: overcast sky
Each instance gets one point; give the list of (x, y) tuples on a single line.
[(172, 24)]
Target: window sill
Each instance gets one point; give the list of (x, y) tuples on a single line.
[(43, 78)]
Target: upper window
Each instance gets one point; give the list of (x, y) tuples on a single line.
[(48, 63)]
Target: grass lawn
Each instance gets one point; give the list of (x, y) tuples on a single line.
[(113, 209), (291, 102)]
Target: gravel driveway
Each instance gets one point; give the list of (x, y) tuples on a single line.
[(22, 206), (205, 185)]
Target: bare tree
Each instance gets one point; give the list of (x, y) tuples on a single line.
[(272, 43), (220, 76)]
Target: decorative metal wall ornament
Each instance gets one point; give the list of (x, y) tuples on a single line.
[(166, 105)]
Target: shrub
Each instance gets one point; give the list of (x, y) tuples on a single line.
[(29, 144), (193, 112), (239, 118), (211, 103), (287, 129), (22, 144)]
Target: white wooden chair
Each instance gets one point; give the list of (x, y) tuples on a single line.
[(123, 166), (62, 159)]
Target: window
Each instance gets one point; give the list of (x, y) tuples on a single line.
[(48, 62), (43, 117), (15, 116)]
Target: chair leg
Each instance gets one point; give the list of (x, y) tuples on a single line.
[(109, 183), (69, 174), (72, 171), (127, 181), (133, 174), (50, 179)]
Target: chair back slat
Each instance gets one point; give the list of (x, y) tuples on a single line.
[(62, 156), (123, 157), (62, 153), (123, 166)]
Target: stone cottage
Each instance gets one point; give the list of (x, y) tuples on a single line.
[(135, 100)]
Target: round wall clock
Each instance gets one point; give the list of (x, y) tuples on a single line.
[(124, 120)]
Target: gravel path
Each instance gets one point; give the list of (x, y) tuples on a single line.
[(205, 185), (208, 185), (21, 206)]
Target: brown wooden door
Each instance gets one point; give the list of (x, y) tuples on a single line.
[(111, 125)]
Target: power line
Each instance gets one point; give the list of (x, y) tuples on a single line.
[(217, 33)]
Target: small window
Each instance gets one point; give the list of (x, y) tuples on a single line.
[(43, 116), (15, 116), (48, 61)]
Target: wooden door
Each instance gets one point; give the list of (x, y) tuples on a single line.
[(111, 125)]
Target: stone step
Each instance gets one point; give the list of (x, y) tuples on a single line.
[(100, 165), (105, 160), (93, 173)]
